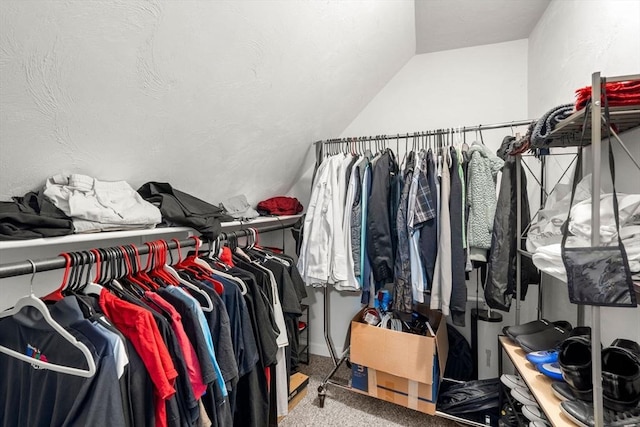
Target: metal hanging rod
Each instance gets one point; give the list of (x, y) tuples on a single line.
[(21, 268), (246, 231), (24, 267), (445, 131)]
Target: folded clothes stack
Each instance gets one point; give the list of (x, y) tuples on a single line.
[(545, 232), (618, 94), (96, 205)]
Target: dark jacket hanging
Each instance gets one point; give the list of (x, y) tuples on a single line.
[(458, 301), (501, 281), (379, 242)]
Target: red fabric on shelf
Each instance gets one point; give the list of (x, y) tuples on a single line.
[(618, 94)]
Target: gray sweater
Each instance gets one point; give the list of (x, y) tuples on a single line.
[(481, 197)]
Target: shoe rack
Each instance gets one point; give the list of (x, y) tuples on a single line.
[(539, 385), (567, 134)]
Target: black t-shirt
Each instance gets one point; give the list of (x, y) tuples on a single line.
[(261, 315), (242, 334), (298, 282), (33, 396), (286, 290)]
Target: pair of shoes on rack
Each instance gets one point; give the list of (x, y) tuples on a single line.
[(620, 370), (535, 414), (546, 361), (563, 391), (581, 413), (551, 370), (538, 335), (543, 356), (523, 396)]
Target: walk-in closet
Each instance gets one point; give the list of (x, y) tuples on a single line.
[(320, 213)]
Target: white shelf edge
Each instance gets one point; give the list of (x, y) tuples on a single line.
[(92, 237), (109, 235)]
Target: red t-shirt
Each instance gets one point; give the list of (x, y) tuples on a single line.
[(139, 327), (190, 357)]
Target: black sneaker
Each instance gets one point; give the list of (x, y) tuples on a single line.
[(581, 413)]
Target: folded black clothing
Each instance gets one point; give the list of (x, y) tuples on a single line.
[(32, 216), (183, 209)]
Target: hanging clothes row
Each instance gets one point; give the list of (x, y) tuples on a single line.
[(421, 224), (205, 339)]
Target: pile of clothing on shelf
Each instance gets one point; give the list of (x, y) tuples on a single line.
[(618, 94), (76, 203), (563, 354), (545, 234)]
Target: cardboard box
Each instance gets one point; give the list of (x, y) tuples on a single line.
[(401, 391), (399, 367)]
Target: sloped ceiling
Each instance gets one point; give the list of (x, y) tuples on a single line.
[(216, 97), (454, 24)]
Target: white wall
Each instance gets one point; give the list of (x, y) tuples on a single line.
[(572, 40), (485, 84), (216, 97)]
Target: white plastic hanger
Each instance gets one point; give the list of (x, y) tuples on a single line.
[(191, 286), (243, 287), (32, 301)]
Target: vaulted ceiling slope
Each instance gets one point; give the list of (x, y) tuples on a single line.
[(454, 24), (217, 97)]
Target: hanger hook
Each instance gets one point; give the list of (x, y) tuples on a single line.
[(33, 275)]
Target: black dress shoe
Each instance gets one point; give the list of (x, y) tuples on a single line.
[(563, 391), (621, 375), (581, 413), (574, 357)]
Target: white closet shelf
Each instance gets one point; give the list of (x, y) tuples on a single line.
[(93, 237), (560, 277), (150, 232)]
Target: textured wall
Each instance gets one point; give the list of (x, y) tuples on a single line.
[(572, 40), (216, 97), (461, 87)]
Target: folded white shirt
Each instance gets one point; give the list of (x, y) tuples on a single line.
[(95, 205), (629, 213)]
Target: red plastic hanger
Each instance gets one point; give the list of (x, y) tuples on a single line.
[(57, 294)]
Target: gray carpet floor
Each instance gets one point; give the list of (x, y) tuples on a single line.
[(349, 409)]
